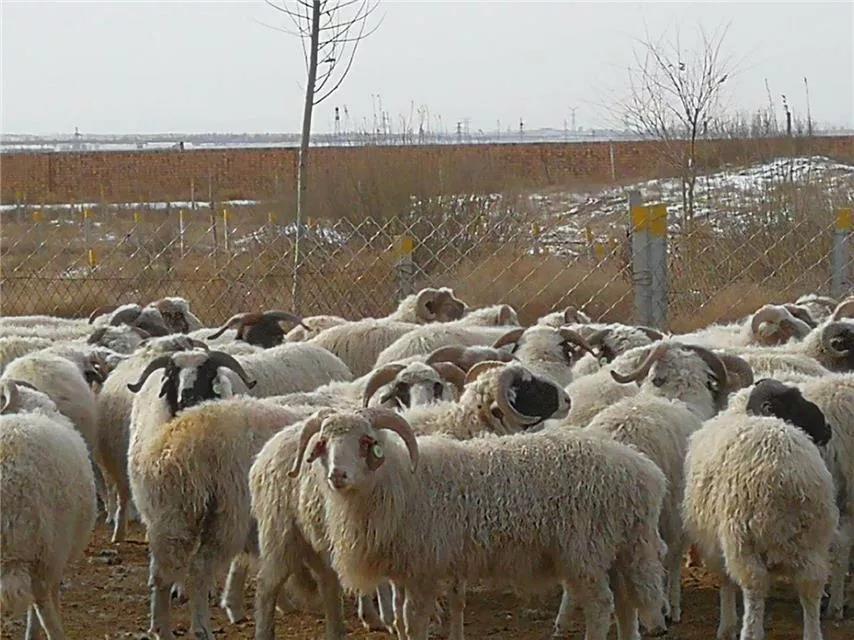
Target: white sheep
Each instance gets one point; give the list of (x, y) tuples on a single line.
[(425, 340), (311, 326), (759, 502), (499, 315), (291, 367), (48, 498), (819, 307), (569, 316), (12, 347), (495, 525), (359, 343), (770, 325), (609, 341), (493, 402), (429, 305), (189, 478)]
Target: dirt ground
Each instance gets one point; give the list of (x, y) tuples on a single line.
[(106, 598)]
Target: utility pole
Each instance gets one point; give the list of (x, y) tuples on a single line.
[(572, 111), (809, 114)]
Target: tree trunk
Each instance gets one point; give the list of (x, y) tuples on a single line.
[(302, 169)]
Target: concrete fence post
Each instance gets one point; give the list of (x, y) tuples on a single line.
[(649, 261), (404, 266), (840, 283)]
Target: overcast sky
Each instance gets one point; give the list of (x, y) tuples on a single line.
[(147, 67)]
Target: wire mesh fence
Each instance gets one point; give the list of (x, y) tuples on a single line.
[(750, 239)]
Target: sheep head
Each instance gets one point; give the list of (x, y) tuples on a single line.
[(774, 324), (438, 305), (771, 397), (262, 329), (414, 384)]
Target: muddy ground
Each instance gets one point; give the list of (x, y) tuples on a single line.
[(106, 599)]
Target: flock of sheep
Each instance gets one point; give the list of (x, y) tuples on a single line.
[(403, 459)]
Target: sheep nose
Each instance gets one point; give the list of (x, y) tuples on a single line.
[(338, 478)]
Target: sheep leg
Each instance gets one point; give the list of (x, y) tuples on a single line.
[(161, 603), (120, 524), (563, 614), (753, 625), (625, 612), (839, 568), (34, 627), (384, 601), (233, 593), (809, 593), (728, 624), (199, 586), (268, 586), (674, 583), (47, 608), (368, 613), (399, 599), (596, 600), (330, 592), (456, 608), (417, 608)]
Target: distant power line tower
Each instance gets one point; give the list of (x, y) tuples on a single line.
[(572, 111), (521, 128), (337, 128)]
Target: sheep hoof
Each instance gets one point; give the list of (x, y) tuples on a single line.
[(236, 614)]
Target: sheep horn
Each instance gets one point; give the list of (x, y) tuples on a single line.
[(801, 314), (768, 313), (451, 373), (424, 297), (99, 311), (284, 316), (380, 378), (11, 395), (237, 321), (160, 362), (309, 428), (739, 371), (844, 310), (126, 316), (576, 338), (653, 334), (641, 372), (511, 337), (222, 359), (830, 331), (24, 383), (714, 362), (96, 335), (452, 354), (573, 315), (142, 333), (199, 344), (480, 368), (505, 381), (388, 419)]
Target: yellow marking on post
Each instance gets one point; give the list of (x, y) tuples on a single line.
[(640, 218), (137, 217), (38, 216), (93, 259), (271, 218), (87, 214), (225, 216), (845, 219), (658, 220), (405, 246), (599, 250)]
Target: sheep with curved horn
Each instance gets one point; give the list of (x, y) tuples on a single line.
[(466, 357), (259, 328), (608, 341), (546, 351)]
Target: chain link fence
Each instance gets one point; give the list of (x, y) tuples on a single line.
[(741, 248)]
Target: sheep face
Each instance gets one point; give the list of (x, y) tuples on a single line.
[(266, 334), (417, 385), (192, 378), (773, 398), (123, 339), (681, 374), (512, 398), (439, 305), (774, 324), (548, 352), (837, 340)]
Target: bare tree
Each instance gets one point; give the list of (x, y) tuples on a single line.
[(330, 32), (674, 94)]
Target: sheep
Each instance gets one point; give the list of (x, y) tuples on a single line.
[(497, 399), (609, 341), (546, 351), (17, 322), (161, 317), (819, 307), (261, 328), (44, 463), (424, 340), (770, 325), (759, 501), (121, 339), (501, 315), (507, 524), (405, 385), (114, 404), (65, 384), (12, 347), (359, 343), (429, 305), (569, 316), (311, 326), (291, 367), (189, 481)]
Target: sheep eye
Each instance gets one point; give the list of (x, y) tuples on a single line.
[(659, 381)]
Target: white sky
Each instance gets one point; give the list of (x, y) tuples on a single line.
[(128, 67)]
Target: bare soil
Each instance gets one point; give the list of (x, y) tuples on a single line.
[(106, 598)]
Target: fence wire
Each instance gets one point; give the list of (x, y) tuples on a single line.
[(731, 257)]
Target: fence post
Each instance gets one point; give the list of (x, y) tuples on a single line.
[(404, 248), (225, 232), (658, 263), (87, 238), (181, 231), (841, 258), (641, 277)]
